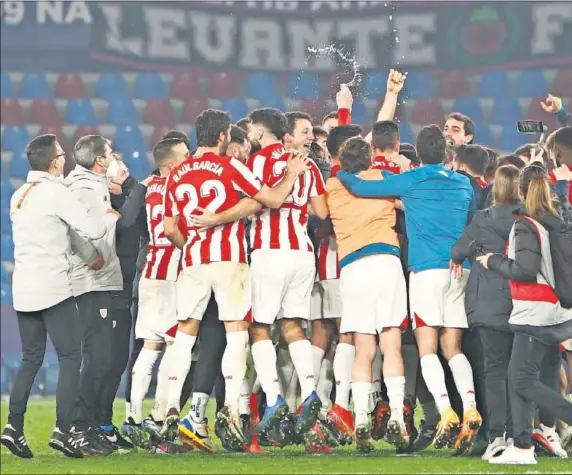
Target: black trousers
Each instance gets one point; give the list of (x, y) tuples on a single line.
[(96, 316), (526, 389), (497, 348), (63, 324)]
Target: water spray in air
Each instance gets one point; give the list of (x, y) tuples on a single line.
[(331, 50)]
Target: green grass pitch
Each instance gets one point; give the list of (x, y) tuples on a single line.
[(41, 416)]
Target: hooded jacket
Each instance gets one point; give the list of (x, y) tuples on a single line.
[(92, 190)]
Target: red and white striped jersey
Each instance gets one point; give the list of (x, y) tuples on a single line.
[(213, 183), (328, 266), (163, 260), (286, 227)]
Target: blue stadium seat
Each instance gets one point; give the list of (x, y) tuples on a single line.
[(406, 134), (5, 223), (128, 138), (493, 84), (150, 86), (5, 299), (303, 85), (139, 166), (80, 112), (111, 86), (4, 274), (20, 165), (531, 83), (7, 249), (193, 138), (238, 108), (15, 138), (275, 102), (35, 86), (506, 110), (375, 85), (484, 135), (6, 88), (261, 86), (469, 106), (511, 138), (419, 85), (360, 114), (121, 112)]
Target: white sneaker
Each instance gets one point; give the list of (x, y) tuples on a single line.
[(548, 439), (515, 456), (494, 448)]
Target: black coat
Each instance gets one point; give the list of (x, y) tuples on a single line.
[(488, 301)]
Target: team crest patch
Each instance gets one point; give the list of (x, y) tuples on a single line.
[(103, 312)]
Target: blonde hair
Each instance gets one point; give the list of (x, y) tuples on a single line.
[(506, 187), (538, 198)]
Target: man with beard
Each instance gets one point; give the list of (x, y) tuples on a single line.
[(459, 129)]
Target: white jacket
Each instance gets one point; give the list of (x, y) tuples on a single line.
[(43, 211)]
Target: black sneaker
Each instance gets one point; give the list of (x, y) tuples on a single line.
[(65, 444), (90, 443), (425, 438), (118, 443), (15, 442)]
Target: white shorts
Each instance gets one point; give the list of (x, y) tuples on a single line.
[(374, 295), (282, 282), (326, 300), (437, 299), (157, 312), (230, 282)]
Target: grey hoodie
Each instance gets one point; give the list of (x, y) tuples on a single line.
[(92, 190)]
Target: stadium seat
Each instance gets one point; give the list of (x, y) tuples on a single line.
[(11, 112), (506, 110), (7, 248), (122, 112), (69, 86), (360, 114), (375, 85), (531, 82), (159, 112), (128, 139), (185, 86), (238, 108), (261, 86), (20, 166), (158, 132), (45, 112), (83, 130), (484, 135), (111, 86), (454, 85), (225, 85), (57, 131), (138, 164), (427, 111), (303, 85), (5, 226), (15, 138), (562, 85), (494, 84), (149, 86), (5, 299), (406, 134), (80, 112), (511, 138), (419, 85), (277, 103), (193, 107), (5, 276), (469, 106), (34, 86), (6, 87), (193, 138), (317, 108)]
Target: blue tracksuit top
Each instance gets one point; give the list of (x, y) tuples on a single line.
[(438, 205)]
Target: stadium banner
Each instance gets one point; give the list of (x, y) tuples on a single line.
[(275, 35)]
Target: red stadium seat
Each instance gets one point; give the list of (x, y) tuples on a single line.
[(186, 85), (427, 111), (317, 108), (225, 85), (159, 131), (55, 129), (193, 107), (536, 112), (45, 111), (11, 112), (562, 85), (69, 86), (159, 112), (84, 130), (454, 85)]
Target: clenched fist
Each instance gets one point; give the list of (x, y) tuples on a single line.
[(395, 81)]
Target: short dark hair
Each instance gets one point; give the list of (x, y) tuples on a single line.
[(511, 159), (563, 137), (292, 117), (319, 132), (272, 119), (474, 157), (431, 145), (88, 148), (385, 134), (209, 125), (338, 135), (163, 148), (493, 154), (408, 151), (237, 135), (243, 123), (178, 134), (468, 124), (40, 152), (525, 150), (331, 115), (355, 155)]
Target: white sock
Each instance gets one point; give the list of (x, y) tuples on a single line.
[(198, 409), (234, 368), (162, 389), (264, 356), (325, 384), (127, 409), (434, 377), (396, 394), (360, 392), (317, 357), (463, 376), (343, 363), (301, 353), (181, 353), (141, 374)]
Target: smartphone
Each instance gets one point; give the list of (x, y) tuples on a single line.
[(530, 127)]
